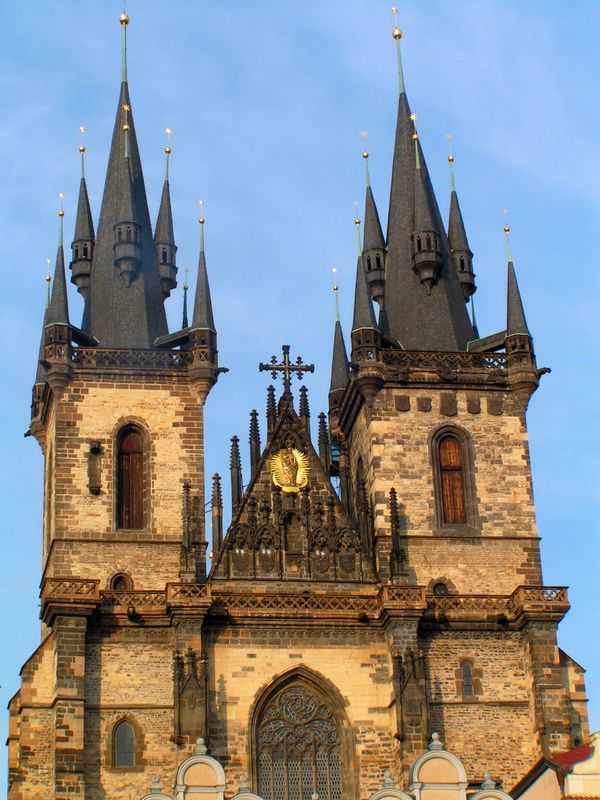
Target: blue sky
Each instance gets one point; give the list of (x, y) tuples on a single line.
[(267, 101)]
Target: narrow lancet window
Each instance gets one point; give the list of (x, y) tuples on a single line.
[(467, 679), (124, 745), (130, 483), (452, 481)]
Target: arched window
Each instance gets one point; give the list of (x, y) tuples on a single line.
[(452, 480), (440, 589), (130, 478), (124, 745), (428, 242), (121, 583), (299, 746), (466, 669), (163, 256), (462, 264), (453, 462), (368, 263), (378, 260)]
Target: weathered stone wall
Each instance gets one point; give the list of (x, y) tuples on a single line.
[(393, 440), (93, 409)]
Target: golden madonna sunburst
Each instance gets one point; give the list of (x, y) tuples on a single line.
[(289, 469)]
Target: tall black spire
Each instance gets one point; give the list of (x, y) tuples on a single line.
[(121, 312), (164, 237), (82, 247), (420, 321), (457, 237)]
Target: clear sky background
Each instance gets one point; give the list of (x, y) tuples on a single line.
[(267, 100)]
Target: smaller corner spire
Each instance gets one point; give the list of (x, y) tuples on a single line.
[(202, 318), (516, 323), (462, 254), (164, 236), (124, 22), (364, 315), (271, 411), (84, 240), (254, 442), (374, 248), (397, 36), (58, 308), (236, 475)]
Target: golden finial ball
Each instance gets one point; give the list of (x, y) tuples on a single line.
[(61, 213), (335, 287), (124, 19), (82, 148), (415, 136), (357, 221), (48, 278), (397, 33), (451, 158), (168, 150), (365, 154), (126, 127), (201, 220), (506, 229)]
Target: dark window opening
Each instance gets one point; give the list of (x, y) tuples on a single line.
[(462, 264), (419, 245), (76, 252), (378, 261), (130, 482), (467, 679), (368, 263), (440, 589), (452, 479), (120, 583), (85, 250), (124, 745), (120, 235), (163, 256), (428, 242), (128, 233)]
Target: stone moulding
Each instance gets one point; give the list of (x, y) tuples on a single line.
[(98, 358), (62, 593)]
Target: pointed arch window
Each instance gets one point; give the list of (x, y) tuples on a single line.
[(301, 741), (124, 745), (452, 480), (130, 478), (452, 455)]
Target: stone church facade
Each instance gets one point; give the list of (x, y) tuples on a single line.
[(375, 587)]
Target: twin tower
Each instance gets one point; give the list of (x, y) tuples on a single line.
[(369, 593)]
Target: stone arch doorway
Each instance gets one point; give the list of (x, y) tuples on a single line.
[(301, 740)]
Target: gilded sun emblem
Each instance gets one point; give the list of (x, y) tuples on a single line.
[(289, 469)]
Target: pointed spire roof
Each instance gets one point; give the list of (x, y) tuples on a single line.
[(116, 314), (84, 224), (420, 321), (203, 313), (457, 235), (515, 313), (364, 315), (373, 238), (163, 233), (339, 363), (57, 312)]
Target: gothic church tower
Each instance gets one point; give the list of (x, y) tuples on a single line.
[(373, 591)]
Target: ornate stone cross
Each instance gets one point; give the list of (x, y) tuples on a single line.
[(286, 368)]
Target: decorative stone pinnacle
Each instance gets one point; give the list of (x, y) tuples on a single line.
[(487, 782), (200, 747), (436, 743)]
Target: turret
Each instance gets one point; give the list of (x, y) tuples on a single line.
[(340, 374), (203, 334), (427, 258), (523, 374), (164, 237), (127, 246), (82, 247), (57, 334), (373, 247), (457, 237)]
